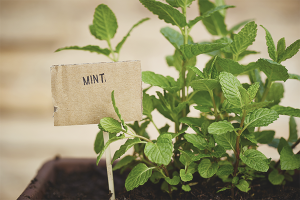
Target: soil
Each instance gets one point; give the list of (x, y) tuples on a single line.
[(92, 184)]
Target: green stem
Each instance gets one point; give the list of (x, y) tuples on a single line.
[(112, 51), (266, 91), (214, 103), (155, 125), (139, 136)]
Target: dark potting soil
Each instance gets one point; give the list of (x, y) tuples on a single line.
[(92, 184)]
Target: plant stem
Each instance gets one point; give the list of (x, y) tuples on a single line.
[(139, 136), (266, 91), (214, 103), (296, 143), (110, 177), (154, 125), (167, 173), (112, 51)]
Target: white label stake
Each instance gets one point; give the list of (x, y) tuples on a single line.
[(110, 176)]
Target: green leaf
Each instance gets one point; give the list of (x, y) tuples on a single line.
[(275, 93), (147, 105), (244, 38), (93, 32), (111, 125), (90, 48), (197, 71), (289, 160), (229, 65), (230, 86), (105, 22), (185, 176), (281, 110), (227, 140), (271, 46), (293, 130), (294, 76), (123, 162), (161, 151), (290, 51), (274, 71), (252, 90), (155, 177), (197, 140), (165, 12), (99, 142), (239, 25), (280, 48), (186, 188), (186, 157), (282, 143), (243, 185), (256, 160), (208, 14), (253, 106), (173, 36), (225, 170), (117, 110), (125, 147), (139, 175), (220, 127), (120, 44), (191, 50), (207, 169), (155, 79), (204, 84), (275, 178), (261, 117), (218, 151), (264, 137), (173, 181)]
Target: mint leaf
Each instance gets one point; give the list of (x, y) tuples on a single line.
[(275, 93), (161, 151), (271, 46), (289, 160), (229, 65), (218, 151), (261, 117), (264, 137), (186, 188), (227, 140), (252, 90), (230, 86), (196, 140), (99, 142), (125, 147), (165, 12), (256, 160), (155, 177), (185, 176), (253, 106), (155, 79), (105, 22), (207, 169), (243, 185), (111, 125), (290, 51), (244, 38), (282, 143), (293, 130), (280, 48), (173, 36), (225, 170), (117, 110), (90, 48), (173, 181), (147, 105), (281, 110), (274, 71), (220, 127), (124, 161), (191, 50), (120, 44), (275, 178), (204, 84), (197, 71), (186, 157), (139, 175), (294, 76)]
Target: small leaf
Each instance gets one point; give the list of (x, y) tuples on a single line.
[(229, 65), (204, 84), (185, 176), (282, 143), (252, 90), (117, 110), (197, 71), (256, 160), (161, 151), (139, 175), (227, 140), (173, 36), (155, 79), (207, 169), (125, 147), (275, 178), (253, 106), (124, 161), (290, 51), (274, 71), (293, 130), (111, 125), (225, 170), (244, 38), (186, 188), (165, 12), (289, 160), (174, 181), (243, 185), (147, 105), (294, 76), (281, 110), (197, 140), (105, 22), (271, 46), (220, 127), (99, 142), (90, 48), (191, 50), (261, 117), (280, 48), (218, 151), (264, 137)]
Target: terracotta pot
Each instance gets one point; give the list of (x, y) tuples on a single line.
[(36, 189)]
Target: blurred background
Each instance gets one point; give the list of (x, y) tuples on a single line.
[(31, 30)]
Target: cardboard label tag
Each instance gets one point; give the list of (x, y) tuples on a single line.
[(82, 92)]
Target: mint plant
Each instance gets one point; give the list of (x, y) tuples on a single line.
[(222, 141)]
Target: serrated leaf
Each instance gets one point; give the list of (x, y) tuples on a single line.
[(227, 140), (111, 125), (243, 185), (246, 99), (99, 142), (280, 48), (204, 84), (105, 22), (281, 110), (230, 86), (229, 65), (125, 147), (261, 117), (220, 127), (271, 46), (173, 36), (256, 160), (264, 137), (275, 178), (289, 160), (252, 90), (244, 38), (147, 105), (173, 181), (275, 93), (90, 48), (139, 175), (124, 161), (161, 151), (165, 12), (120, 44), (290, 51), (274, 71), (218, 151), (293, 136), (207, 169), (282, 143), (191, 50), (117, 110), (225, 170), (196, 70), (155, 79), (185, 176), (197, 140)]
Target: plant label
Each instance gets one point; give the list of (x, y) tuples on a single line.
[(82, 92)]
